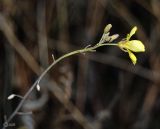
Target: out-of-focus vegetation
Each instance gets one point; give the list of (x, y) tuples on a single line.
[(101, 90)]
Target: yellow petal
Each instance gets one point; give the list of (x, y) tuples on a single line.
[(132, 57), (133, 31), (134, 45)]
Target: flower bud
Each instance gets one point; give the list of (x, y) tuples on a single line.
[(11, 96), (107, 28)]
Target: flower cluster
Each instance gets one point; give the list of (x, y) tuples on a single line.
[(131, 46)]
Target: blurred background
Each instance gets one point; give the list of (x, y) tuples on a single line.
[(101, 90)]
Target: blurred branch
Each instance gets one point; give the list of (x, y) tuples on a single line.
[(6, 28), (62, 17), (42, 34), (149, 101), (94, 17), (145, 4), (81, 83), (119, 63)]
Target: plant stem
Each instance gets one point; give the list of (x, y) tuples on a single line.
[(87, 49)]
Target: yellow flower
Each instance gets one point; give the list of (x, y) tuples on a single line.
[(132, 45)]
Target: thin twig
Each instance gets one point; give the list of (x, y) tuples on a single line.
[(90, 49)]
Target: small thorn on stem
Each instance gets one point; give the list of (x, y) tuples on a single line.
[(87, 46), (53, 57)]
